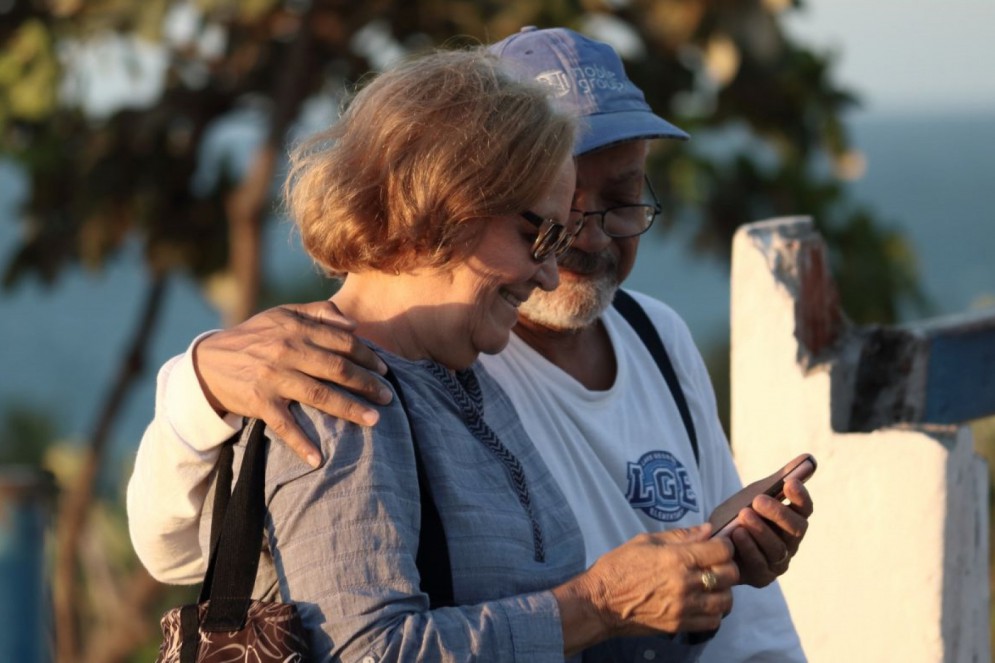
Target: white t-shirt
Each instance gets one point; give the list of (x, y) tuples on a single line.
[(623, 459)]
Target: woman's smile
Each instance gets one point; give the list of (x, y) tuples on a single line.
[(514, 300)]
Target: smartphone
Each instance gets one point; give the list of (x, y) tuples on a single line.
[(724, 518)]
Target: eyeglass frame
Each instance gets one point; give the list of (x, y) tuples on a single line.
[(656, 207), (553, 239)]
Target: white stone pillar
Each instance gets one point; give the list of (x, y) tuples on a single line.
[(895, 563)]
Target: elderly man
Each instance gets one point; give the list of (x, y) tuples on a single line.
[(616, 398)]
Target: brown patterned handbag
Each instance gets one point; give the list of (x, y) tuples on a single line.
[(227, 625)]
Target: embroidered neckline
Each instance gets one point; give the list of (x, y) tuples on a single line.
[(464, 388)]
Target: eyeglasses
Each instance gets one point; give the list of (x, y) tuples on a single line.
[(628, 220), (554, 238)]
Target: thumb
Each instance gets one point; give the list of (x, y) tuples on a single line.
[(324, 311)]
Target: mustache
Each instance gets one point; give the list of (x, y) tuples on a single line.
[(583, 262)]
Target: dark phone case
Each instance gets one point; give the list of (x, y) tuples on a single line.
[(772, 485)]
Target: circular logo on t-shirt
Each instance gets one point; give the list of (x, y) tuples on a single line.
[(660, 487)]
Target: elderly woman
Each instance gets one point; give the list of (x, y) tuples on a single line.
[(443, 194)]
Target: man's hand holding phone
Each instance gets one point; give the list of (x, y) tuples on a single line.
[(766, 531)]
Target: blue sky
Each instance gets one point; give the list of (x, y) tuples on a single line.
[(908, 56)]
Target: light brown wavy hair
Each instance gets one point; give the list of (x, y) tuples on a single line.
[(423, 154)]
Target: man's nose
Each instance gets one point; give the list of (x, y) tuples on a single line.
[(592, 237)]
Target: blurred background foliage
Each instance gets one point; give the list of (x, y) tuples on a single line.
[(113, 109), (104, 171)]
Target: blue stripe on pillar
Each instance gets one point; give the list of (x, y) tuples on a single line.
[(960, 379)]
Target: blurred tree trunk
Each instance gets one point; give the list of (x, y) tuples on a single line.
[(76, 501), (247, 205)]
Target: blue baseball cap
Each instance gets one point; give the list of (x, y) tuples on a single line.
[(587, 76)]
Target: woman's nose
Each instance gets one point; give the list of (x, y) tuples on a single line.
[(548, 275)]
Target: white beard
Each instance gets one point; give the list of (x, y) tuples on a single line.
[(577, 302)]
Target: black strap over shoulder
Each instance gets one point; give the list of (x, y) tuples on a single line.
[(634, 314), (236, 533)]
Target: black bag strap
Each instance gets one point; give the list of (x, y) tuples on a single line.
[(432, 559), (236, 533), (222, 495), (634, 314)]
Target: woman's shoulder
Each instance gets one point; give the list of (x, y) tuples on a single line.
[(349, 447)]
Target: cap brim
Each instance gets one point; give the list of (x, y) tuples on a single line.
[(605, 129)]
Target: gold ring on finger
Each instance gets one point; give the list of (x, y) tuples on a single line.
[(708, 580)]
